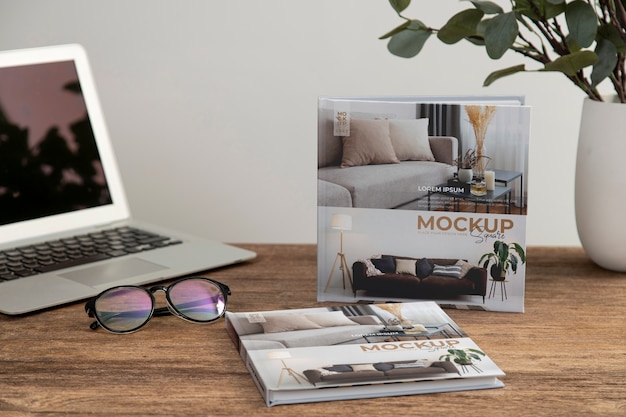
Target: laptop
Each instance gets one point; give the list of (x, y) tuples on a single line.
[(60, 187)]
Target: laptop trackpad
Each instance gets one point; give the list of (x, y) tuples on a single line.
[(112, 271)]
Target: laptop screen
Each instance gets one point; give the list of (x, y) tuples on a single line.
[(49, 162)]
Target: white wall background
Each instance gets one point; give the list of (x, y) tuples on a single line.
[(212, 104)]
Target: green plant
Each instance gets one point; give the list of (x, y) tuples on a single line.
[(463, 356), (504, 257), (583, 39)]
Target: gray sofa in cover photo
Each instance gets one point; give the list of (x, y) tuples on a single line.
[(383, 164)]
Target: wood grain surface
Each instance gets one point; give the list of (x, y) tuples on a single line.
[(565, 356)]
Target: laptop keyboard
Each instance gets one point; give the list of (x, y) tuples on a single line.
[(78, 250)]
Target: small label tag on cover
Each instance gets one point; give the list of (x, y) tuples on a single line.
[(342, 118), (255, 318)]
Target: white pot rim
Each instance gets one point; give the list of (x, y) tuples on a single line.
[(608, 99)]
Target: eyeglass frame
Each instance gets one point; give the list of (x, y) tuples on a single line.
[(90, 306)]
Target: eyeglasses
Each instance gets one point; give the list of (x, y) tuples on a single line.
[(127, 308)]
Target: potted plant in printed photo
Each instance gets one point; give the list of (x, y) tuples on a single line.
[(583, 40), (505, 257), (464, 357), (465, 166)]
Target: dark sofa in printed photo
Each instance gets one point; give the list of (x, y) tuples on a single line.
[(382, 371), (415, 278)]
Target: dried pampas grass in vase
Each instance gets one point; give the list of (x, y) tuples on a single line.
[(479, 118), (396, 310)]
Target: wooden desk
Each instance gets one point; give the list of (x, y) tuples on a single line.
[(565, 356)]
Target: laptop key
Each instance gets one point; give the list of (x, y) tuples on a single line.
[(8, 277), (72, 262), (115, 253), (152, 239), (24, 272)]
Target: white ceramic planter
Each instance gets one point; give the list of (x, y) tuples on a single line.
[(601, 183), (465, 174)]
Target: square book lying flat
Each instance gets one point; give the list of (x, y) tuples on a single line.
[(358, 351)]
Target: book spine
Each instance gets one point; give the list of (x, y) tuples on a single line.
[(265, 394), (231, 331)]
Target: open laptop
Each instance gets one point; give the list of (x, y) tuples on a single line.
[(59, 183)]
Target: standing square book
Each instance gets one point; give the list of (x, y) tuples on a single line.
[(358, 351), (423, 198)]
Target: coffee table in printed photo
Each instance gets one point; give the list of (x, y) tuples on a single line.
[(435, 331), (499, 192), (505, 177)]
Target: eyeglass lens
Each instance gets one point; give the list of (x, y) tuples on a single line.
[(124, 309), (197, 299)]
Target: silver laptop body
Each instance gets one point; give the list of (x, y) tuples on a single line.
[(59, 179)]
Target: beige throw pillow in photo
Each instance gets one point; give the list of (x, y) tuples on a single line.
[(369, 143), (405, 266), (409, 139)]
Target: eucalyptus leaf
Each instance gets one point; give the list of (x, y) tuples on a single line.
[(572, 44), (572, 63), (409, 42), (582, 22), (399, 29), (539, 9), (607, 55), (500, 34), (399, 5), (611, 33), (461, 25), (488, 7), (479, 38), (496, 75)]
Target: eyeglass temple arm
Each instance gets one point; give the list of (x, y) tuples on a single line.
[(89, 306)]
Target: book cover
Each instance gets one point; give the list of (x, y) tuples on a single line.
[(423, 198), (358, 351)]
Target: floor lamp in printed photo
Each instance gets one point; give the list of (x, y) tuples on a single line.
[(341, 222), (282, 355)]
